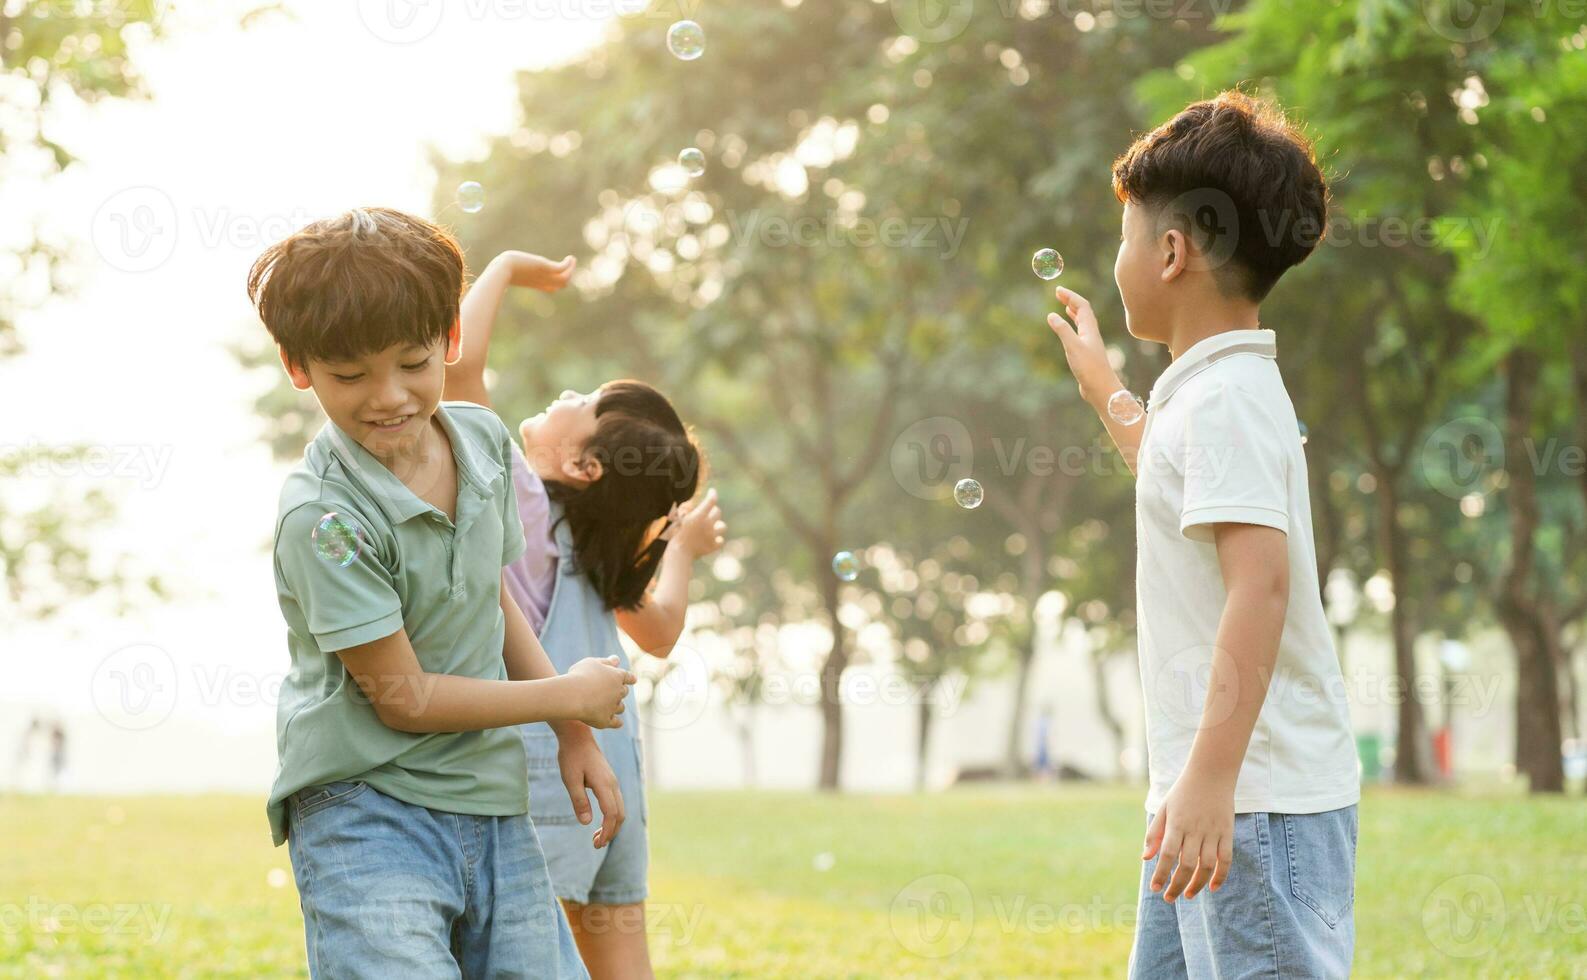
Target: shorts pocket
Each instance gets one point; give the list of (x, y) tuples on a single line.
[(548, 797), (1322, 861), (313, 799)]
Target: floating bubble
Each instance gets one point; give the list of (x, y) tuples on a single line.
[(692, 161), (968, 494), (845, 566), (686, 40), (1304, 432), (1047, 263), (470, 196), (1125, 409), (338, 540), (825, 861)]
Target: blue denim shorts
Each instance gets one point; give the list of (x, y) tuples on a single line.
[(616, 873), (390, 889), (1287, 908)]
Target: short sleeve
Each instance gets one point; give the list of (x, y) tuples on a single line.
[(513, 544), (1235, 462), (327, 563)]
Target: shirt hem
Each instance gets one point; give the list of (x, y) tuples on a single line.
[(1272, 804)]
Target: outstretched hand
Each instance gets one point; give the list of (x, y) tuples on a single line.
[(533, 271), (1083, 347)]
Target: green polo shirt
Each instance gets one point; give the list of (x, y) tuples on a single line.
[(411, 569)]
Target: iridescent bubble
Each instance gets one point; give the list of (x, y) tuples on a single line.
[(686, 40), (337, 539), (845, 566), (968, 494), (470, 196), (1304, 432), (692, 161), (1125, 409), (1047, 263)]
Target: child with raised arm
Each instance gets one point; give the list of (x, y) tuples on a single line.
[(603, 485), (1253, 775), (401, 784)]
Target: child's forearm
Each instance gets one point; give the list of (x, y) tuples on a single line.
[(478, 316), (671, 596), (1242, 667), (429, 702), (526, 659), (1126, 437)]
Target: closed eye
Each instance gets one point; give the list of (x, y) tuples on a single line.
[(416, 367)]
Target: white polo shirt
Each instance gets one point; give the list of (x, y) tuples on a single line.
[(1222, 444)]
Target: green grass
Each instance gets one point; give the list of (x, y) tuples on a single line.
[(190, 887)]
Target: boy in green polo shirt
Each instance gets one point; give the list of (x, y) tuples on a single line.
[(402, 784)]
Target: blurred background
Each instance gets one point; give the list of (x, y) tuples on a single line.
[(842, 306)]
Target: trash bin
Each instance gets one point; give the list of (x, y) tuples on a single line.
[(1370, 748)]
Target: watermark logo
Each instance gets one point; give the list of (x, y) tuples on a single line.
[(1458, 456), (1463, 21), (932, 455), (933, 916), (135, 687), (1464, 916), (135, 230), (401, 21)]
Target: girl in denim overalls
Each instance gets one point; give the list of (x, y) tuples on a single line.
[(602, 484)]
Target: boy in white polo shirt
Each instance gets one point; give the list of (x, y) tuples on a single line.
[(1254, 780)]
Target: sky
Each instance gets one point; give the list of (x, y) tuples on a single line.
[(246, 135)]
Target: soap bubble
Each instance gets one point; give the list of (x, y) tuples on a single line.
[(470, 196), (968, 494), (686, 40), (1124, 408), (692, 161), (337, 540), (1047, 263), (845, 566)]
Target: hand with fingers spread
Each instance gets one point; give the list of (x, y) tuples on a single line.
[(533, 271), (1192, 837), (585, 770), (1084, 348), (701, 529), (596, 689)]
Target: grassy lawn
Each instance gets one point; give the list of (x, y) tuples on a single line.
[(802, 885)]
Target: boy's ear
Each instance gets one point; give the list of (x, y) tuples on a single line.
[(299, 376), (454, 342), (1176, 254)]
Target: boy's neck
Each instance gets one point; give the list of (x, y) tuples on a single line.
[(1193, 325)]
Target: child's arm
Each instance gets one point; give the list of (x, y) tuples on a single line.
[(1195, 826), (1088, 359), (408, 698), (583, 766), (658, 622), (465, 380)]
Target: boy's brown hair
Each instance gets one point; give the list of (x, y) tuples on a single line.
[(358, 283), (1236, 176)]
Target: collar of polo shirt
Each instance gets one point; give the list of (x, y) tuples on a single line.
[(397, 501), (1205, 353)]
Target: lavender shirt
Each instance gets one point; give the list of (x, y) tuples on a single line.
[(531, 578)]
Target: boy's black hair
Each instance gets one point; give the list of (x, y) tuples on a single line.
[(1236, 176), (358, 283)]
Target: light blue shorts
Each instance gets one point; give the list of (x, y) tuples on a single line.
[(1287, 908), (616, 873), (390, 889)]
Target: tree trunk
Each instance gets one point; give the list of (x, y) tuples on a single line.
[(831, 687), (1532, 631), (1033, 565), (1413, 757), (921, 744)]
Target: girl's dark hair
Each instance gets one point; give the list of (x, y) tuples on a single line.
[(649, 462)]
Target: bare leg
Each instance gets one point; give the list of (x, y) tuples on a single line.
[(612, 940)]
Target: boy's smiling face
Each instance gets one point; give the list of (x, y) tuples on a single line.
[(383, 400)]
